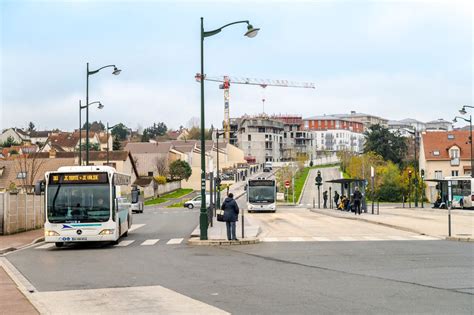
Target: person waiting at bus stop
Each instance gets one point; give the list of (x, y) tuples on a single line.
[(325, 198), (231, 213), (357, 197)]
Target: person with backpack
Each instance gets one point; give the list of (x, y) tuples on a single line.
[(231, 213)]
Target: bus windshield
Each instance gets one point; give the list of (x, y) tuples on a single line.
[(78, 203), (265, 194)]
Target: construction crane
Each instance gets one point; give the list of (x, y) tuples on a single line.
[(227, 80)]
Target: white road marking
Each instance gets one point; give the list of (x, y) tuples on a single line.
[(135, 226), (321, 239), (346, 238), (150, 242), (125, 243), (296, 239), (424, 237), (397, 238), (174, 241), (372, 238), (45, 246), (270, 239)]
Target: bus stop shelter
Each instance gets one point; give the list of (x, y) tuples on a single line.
[(348, 186)]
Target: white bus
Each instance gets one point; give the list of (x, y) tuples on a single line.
[(261, 195), (462, 191), (86, 203)]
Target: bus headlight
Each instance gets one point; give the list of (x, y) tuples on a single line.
[(107, 232), (50, 233)]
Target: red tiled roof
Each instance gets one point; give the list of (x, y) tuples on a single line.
[(442, 141)]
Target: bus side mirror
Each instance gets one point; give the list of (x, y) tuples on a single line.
[(39, 187), (135, 195)]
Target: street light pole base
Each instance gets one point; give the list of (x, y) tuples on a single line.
[(203, 222)]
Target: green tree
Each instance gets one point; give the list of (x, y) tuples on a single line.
[(92, 147), (116, 145), (10, 142), (385, 143), (195, 134), (96, 126), (31, 126), (120, 131), (179, 170)]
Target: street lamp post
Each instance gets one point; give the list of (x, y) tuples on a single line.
[(107, 136), (462, 111), (115, 72), (251, 32), (100, 106)]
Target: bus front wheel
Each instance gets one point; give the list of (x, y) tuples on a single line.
[(59, 244)]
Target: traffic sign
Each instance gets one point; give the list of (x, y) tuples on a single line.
[(287, 184)]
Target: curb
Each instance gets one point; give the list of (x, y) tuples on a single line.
[(460, 239), (12, 249), (370, 221), (197, 242)]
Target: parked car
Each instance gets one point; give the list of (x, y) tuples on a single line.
[(196, 202)]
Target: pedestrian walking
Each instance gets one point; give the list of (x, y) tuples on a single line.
[(325, 198), (231, 213), (336, 199), (357, 197)]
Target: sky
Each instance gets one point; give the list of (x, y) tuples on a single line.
[(393, 59)]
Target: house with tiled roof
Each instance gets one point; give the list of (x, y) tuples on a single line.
[(148, 155), (444, 153), (19, 136), (69, 142)]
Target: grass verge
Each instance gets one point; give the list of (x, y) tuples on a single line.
[(172, 195)]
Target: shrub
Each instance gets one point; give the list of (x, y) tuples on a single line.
[(161, 180)]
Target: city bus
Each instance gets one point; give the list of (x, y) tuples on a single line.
[(261, 195), (462, 191), (86, 203)]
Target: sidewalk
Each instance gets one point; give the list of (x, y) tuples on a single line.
[(427, 221), (15, 241), (12, 300)]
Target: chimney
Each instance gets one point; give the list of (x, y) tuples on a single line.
[(52, 153)]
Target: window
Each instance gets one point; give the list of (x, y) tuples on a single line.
[(261, 129), (291, 135), (436, 153), (454, 153), (450, 136), (150, 173), (21, 175), (438, 174), (249, 137), (454, 173)]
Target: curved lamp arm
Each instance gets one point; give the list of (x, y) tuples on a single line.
[(96, 102), (455, 119), (218, 30), (108, 66)]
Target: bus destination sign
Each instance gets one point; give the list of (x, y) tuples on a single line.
[(261, 182), (78, 178)]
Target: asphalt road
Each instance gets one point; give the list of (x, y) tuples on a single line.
[(384, 277)]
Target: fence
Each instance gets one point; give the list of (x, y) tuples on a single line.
[(20, 212)]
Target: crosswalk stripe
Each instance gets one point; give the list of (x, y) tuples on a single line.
[(321, 239), (45, 246), (174, 241), (135, 226), (150, 242), (372, 238), (397, 238), (296, 239), (346, 238), (424, 237), (125, 243), (270, 239)]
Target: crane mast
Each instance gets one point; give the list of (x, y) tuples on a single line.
[(227, 80)]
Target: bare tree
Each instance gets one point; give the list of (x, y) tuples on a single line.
[(193, 122), (28, 167), (161, 164)]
